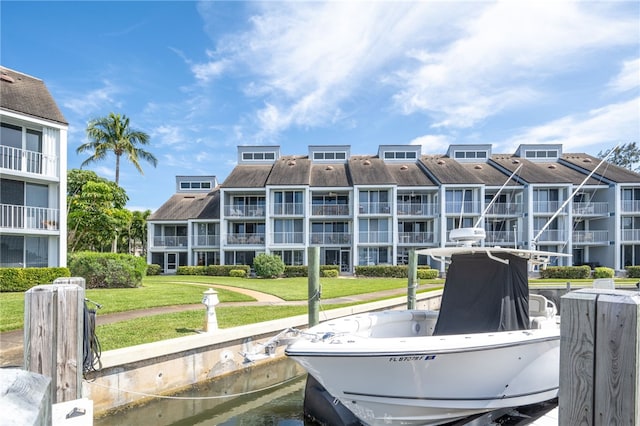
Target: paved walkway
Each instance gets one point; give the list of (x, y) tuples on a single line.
[(11, 342)]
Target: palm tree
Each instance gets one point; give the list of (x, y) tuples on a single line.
[(113, 134)]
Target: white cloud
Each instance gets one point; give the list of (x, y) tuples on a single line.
[(628, 78), (597, 130), (94, 100), (433, 143), (169, 135)]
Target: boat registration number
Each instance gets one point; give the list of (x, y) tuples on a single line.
[(411, 358)]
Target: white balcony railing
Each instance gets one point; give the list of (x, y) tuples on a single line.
[(586, 209), (288, 209), (206, 240), (288, 237), (462, 207), (545, 206), (245, 239), (330, 238), (588, 237), (375, 208), (170, 241), (330, 209), (375, 237), (416, 209), (631, 206), (25, 161), (27, 217), (415, 237), (244, 211), (552, 235), (505, 209), (631, 235), (499, 237)]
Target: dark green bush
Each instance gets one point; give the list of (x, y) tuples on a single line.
[(603, 272), (427, 274), (386, 271), (238, 273), (566, 272), (191, 270), (223, 270), (295, 271), (108, 270), (268, 265), (22, 279), (633, 271), (330, 273), (154, 269)]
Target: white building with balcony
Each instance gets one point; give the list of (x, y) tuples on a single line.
[(33, 170), (374, 209)]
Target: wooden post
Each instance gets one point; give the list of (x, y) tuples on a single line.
[(53, 337), (413, 279), (25, 398), (599, 358), (314, 285), (71, 280)]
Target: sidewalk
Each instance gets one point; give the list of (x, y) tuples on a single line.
[(12, 346)]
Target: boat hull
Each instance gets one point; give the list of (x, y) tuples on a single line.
[(429, 380)]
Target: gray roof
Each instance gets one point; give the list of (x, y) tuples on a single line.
[(247, 176), (330, 175), (609, 171), (27, 95), (190, 206), (446, 170), (290, 170), (369, 170), (409, 174), (546, 172)]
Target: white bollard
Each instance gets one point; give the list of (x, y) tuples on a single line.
[(210, 300)]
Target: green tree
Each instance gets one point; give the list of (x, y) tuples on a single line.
[(113, 134), (134, 238), (268, 265), (96, 211), (626, 155)]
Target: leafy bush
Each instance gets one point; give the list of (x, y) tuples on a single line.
[(427, 273), (224, 270), (22, 279), (566, 272), (386, 271), (238, 273), (295, 271), (330, 273), (603, 272), (108, 270), (191, 270), (154, 269), (268, 265), (633, 271)]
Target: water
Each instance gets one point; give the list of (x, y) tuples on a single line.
[(278, 403)]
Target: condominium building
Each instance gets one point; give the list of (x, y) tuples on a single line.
[(374, 209), (33, 168)]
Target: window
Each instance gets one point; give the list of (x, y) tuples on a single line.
[(329, 155), (287, 203), (373, 255), (195, 185), (459, 201), (400, 155), (540, 153), (258, 156), (287, 231), (470, 155), (19, 251), (374, 230), (206, 258), (290, 257)]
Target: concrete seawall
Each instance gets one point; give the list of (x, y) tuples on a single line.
[(135, 374)]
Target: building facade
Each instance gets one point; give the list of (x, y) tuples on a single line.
[(33, 167), (374, 209)]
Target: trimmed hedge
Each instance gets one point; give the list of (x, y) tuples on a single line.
[(154, 269), (22, 279), (108, 270), (238, 273), (295, 271), (389, 271), (566, 272), (633, 271), (427, 274), (330, 273), (191, 270), (603, 272)]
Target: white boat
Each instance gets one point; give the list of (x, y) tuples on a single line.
[(490, 346)]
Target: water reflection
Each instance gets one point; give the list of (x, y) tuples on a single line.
[(269, 395)]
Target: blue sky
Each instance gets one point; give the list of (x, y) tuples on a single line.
[(202, 78)]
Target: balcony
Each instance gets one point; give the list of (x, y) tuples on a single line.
[(24, 161), (588, 209), (29, 218), (206, 240), (288, 209), (457, 207), (590, 237), (244, 211), (631, 206), (631, 235), (552, 235), (330, 238), (375, 237), (375, 208), (546, 206), (170, 242), (500, 237), (330, 210), (288, 238), (416, 209), (505, 209), (415, 237), (245, 239)]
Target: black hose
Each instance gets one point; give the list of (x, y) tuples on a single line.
[(91, 347)]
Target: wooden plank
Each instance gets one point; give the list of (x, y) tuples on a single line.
[(577, 363), (39, 335), (25, 398), (617, 358)]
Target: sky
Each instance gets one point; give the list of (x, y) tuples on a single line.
[(202, 78)]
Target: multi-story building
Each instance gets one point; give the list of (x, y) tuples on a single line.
[(374, 209), (33, 165)]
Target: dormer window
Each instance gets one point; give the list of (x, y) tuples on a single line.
[(329, 155), (541, 154), (400, 155), (470, 155), (258, 156), (195, 183)]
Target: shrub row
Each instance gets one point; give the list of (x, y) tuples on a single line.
[(633, 271), (566, 272), (22, 279), (212, 270), (603, 272), (154, 269), (108, 270), (303, 271), (390, 271)]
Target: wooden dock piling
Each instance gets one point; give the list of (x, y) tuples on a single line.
[(599, 358)]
